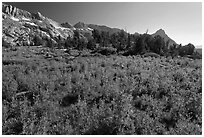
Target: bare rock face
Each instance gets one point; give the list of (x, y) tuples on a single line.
[(8, 9), (19, 27), (15, 12), (39, 16)]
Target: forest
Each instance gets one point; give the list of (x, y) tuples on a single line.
[(121, 42)]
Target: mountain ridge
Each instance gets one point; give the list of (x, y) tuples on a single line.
[(27, 24)]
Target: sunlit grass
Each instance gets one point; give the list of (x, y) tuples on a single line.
[(103, 95)]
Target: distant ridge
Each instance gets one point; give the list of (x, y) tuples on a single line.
[(104, 28), (80, 25), (67, 25), (21, 23)]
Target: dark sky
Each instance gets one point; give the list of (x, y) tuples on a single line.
[(181, 21)]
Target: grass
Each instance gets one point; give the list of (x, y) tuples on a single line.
[(101, 95)]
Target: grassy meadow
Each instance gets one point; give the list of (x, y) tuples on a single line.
[(48, 91)]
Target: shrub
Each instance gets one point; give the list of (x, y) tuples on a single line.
[(106, 50), (5, 44), (102, 95), (37, 40), (91, 44), (150, 54)]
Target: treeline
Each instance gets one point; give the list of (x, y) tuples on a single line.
[(121, 42)]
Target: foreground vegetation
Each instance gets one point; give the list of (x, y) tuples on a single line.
[(99, 95)]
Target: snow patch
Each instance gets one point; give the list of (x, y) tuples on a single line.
[(15, 19), (45, 34), (90, 29), (63, 49), (80, 29), (33, 24), (62, 28), (57, 27), (23, 18)]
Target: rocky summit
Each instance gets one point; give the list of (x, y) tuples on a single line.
[(166, 38), (19, 27)]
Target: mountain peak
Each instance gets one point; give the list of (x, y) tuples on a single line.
[(21, 23), (67, 25), (166, 38), (80, 25), (15, 12), (39, 16), (160, 31)]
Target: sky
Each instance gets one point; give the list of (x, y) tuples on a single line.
[(182, 21)]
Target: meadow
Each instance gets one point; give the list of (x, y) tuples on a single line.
[(99, 95)]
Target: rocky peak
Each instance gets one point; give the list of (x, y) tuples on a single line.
[(167, 39), (19, 27), (15, 12), (39, 16), (80, 25), (67, 25), (160, 32), (8, 9)]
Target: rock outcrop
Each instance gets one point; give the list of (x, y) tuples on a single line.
[(67, 25), (15, 12), (19, 27), (39, 16), (168, 41)]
